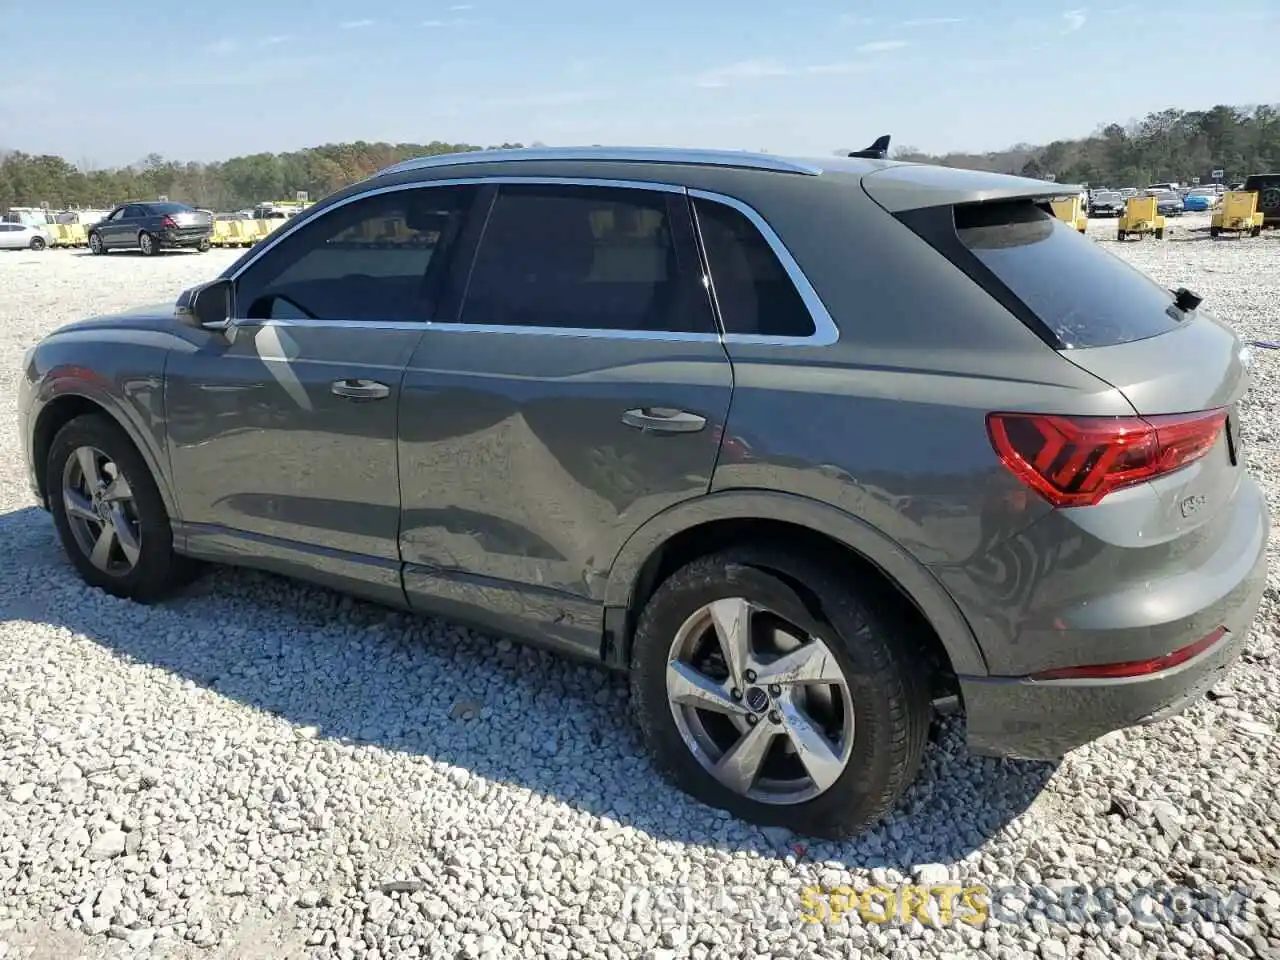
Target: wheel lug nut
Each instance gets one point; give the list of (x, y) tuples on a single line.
[(775, 690), (735, 693), (751, 676), (752, 719), (775, 716)]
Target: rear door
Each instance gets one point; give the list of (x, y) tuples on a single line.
[(575, 391)]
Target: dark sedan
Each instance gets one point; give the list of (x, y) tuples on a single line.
[(152, 227), (1106, 204)]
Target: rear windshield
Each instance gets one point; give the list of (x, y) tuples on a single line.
[(170, 208), (1086, 296)]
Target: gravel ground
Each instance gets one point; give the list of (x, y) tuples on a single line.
[(262, 769)]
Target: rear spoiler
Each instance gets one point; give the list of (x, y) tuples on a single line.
[(912, 186)]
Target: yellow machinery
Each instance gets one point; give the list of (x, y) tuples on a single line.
[(1071, 211), (1238, 213), (1141, 216)]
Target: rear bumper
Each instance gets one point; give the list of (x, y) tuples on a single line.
[(183, 238), (1044, 719)]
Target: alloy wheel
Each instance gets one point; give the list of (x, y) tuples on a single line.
[(101, 511), (762, 705)]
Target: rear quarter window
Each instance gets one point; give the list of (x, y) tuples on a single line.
[(1084, 295)]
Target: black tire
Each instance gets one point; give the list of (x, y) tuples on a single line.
[(38, 243), (1255, 232), (148, 244), (158, 570), (1215, 231), (891, 705), (203, 246), (1160, 234), (1120, 235), (96, 246)]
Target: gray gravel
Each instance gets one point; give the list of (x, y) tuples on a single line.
[(262, 769)]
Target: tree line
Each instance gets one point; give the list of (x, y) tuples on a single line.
[(27, 180), (1166, 145)]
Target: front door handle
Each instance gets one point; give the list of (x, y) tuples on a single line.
[(664, 420), (360, 389)]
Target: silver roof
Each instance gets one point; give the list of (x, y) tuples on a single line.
[(714, 158)]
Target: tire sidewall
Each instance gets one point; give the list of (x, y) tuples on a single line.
[(156, 533), (147, 244), (38, 244), (99, 248), (852, 634)]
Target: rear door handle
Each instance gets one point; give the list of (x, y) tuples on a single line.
[(664, 420), (360, 389)]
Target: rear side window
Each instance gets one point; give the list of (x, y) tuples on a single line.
[(1084, 295), (591, 258), (753, 290)]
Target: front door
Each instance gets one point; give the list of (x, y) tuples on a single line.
[(283, 434), (110, 230), (579, 391)]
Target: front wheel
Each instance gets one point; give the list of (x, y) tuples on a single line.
[(109, 513), (96, 246), (1160, 233), (802, 711), (202, 246), (148, 245)]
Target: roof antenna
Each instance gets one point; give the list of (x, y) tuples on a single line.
[(877, 151)]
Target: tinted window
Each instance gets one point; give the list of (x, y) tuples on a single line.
[(164, 208), (593, 258), (133, 211), (754, 292), (8, 228), (366, 260), (1085, 295)]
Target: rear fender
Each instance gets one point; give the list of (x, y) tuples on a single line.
[(920, 586)]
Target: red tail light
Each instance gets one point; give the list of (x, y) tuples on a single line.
[(169, 223), (1076, 461), (1135, 668)]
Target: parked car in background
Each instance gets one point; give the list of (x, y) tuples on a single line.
[(1267, 187), (1200, 199), (1106, 204), (771, 466), (1169, 204), (23, 236), (1128, 192), (152, 226)]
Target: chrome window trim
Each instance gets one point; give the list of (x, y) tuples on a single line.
[(825, 330), (658, 155)]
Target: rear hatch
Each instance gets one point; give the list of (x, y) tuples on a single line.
[(1182, 371), (186, 222)]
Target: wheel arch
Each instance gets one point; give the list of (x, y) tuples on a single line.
[(60, 409), (709, 523)]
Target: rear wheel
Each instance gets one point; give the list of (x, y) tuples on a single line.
[(38, 243), (148, 245), (96, 246), (1120, 234), (1160, 233), (1215, 231), (1255, 232), (797, 711), (109, 513)]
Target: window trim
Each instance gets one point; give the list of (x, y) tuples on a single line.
[(825, 331)]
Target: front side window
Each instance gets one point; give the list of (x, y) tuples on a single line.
[(376, 258), (753, 290), (592, 258)]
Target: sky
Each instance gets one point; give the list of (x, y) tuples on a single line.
[(107, 83)]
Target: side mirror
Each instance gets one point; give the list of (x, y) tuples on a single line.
[(206, 306)]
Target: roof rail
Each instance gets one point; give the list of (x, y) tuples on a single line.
[(674, 155)]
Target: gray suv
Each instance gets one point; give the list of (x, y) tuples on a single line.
[(807, 448)]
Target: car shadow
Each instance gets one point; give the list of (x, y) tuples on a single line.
[(133, 253), (248, 636)]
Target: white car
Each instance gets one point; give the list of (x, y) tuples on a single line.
[(21, 236)]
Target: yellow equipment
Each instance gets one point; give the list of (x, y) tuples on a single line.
[(1141, 216), (1238, 214), (1071, 211)]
